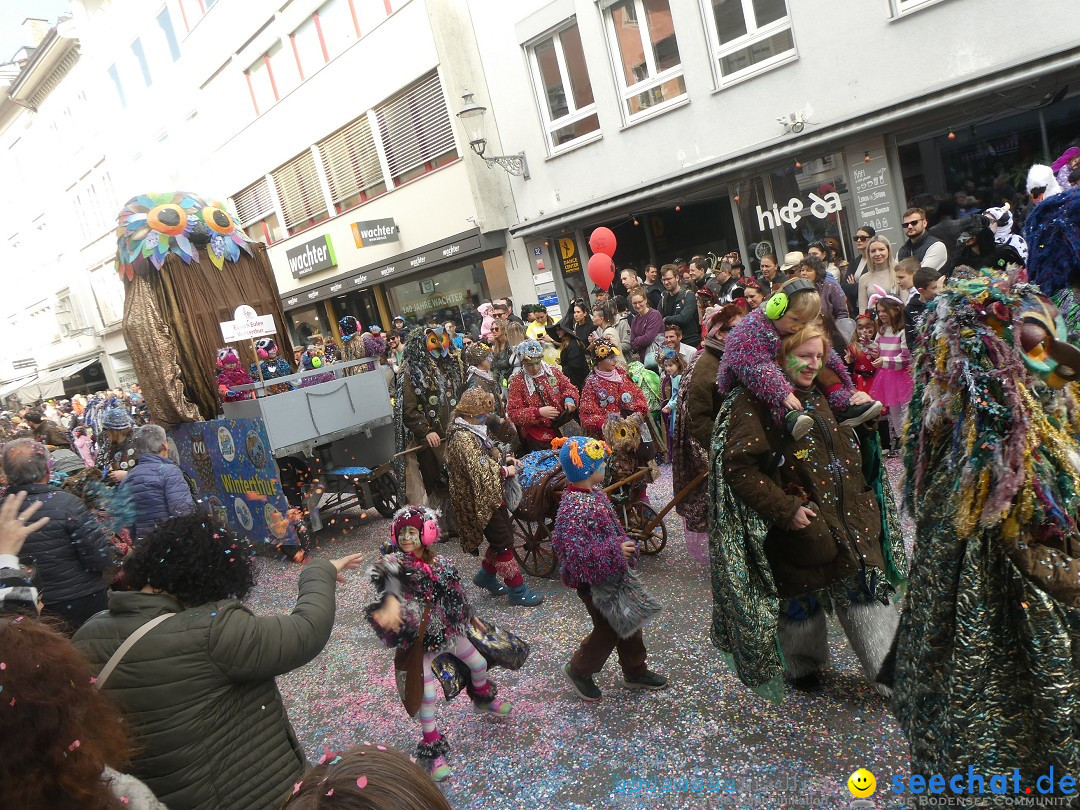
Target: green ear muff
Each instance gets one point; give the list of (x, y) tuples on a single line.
[(316, 362), (778, 304), (776, 307)]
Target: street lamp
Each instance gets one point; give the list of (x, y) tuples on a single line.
[(472, 118)]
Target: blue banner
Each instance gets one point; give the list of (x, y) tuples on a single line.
[(234, 471)]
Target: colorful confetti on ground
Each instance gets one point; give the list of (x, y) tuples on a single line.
[(718, 744)]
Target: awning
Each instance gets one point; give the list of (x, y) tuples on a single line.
[(14, 385), (50, 384)]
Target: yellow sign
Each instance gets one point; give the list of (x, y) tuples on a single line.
[(568, 256)]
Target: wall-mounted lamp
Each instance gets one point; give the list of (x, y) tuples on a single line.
[(678, 207), (472, 118), (866, 158)]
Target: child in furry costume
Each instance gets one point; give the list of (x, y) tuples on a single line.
[(988, 652), (413, 581), (231, 375)]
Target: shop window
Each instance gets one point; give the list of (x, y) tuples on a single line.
[(820, 187), (561, 78), (306, 323), (301, 194), (650, 73), (255, 212), (416, 131), (352, 166), (361, 305), (750, 35), (749, 199), (447, 295)]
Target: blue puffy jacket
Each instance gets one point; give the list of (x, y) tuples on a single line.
[(158, 491)]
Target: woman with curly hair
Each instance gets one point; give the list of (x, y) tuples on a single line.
[(199, 689), (63, 743)]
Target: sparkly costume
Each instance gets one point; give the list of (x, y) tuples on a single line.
[(1052, 232), (271, 366), (230, 375), (528, 393), (750, 359), (988, 652), (310, 363)]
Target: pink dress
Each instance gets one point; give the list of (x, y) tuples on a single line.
[(893, 384)]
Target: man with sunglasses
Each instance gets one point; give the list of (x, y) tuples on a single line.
[(920, 243)]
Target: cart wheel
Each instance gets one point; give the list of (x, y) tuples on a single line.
[(532, 547), (386, 495), (638, 515)]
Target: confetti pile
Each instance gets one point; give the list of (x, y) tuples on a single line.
[(712, 739)]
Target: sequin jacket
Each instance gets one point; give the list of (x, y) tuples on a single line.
[(272, 368), (774, 475), (228, 378), (599, 397), (476, 483), (587, 538), (750, 358), (417, 584)]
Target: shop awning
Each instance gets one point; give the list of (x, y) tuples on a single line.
[(14, 385), (50, 384)]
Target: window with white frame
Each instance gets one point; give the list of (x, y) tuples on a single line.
[(302, 200), (750, 35), (255, 210), (308, 47), (562, 82), (351, 162), (903, 6), (416, 131), (337, 26), (260, 79), (108, 293), (642, 34)]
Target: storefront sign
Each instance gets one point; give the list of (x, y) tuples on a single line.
[(310, 257), (434, 302), (873, 197), (374, 232), (791, 213), (126, 378), (568, 255)]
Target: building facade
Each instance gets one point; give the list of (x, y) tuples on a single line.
[(761, 125)]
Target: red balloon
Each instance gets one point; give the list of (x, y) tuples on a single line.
[(601, 270), (603, 241)]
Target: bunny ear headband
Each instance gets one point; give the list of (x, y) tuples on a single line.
[(881, 295)]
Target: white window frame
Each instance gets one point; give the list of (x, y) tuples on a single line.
[(655, 79), (901, 8), (753, 34), (552, 126)]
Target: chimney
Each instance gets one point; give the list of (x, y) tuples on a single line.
[(33, 31)]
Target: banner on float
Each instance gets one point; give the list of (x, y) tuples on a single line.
[(232, 467)]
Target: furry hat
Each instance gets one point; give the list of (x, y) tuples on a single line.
[(1042, 176), (349, 327), (1052, 232), (580, 456), (477, 353), (373, 342), (602, 348), (227, 357), (265, 348), (421, 518), (475, 402), (18, 592), (116, 419), (529, 351)]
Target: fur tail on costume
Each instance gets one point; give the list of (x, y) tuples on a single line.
[(870, 627), (803, 644)]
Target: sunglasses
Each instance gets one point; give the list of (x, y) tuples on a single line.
[(912, 223), (861, 238)]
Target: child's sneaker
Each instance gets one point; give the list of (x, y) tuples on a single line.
[(497, 707), (585, 687), (440, 769), (489, 582), (854, 415), (798, 424), (646, 679)]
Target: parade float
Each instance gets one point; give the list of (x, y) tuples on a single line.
[(267, 463)]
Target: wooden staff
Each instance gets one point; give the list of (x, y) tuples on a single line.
[(258, 367), (652, 524)]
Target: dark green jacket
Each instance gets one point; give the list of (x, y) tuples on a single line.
[(199, 690)]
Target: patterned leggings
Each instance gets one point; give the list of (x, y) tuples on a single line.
[(464, 650)]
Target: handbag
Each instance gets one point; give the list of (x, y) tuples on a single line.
[(409, 669), (625, 603), (512, 492)]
